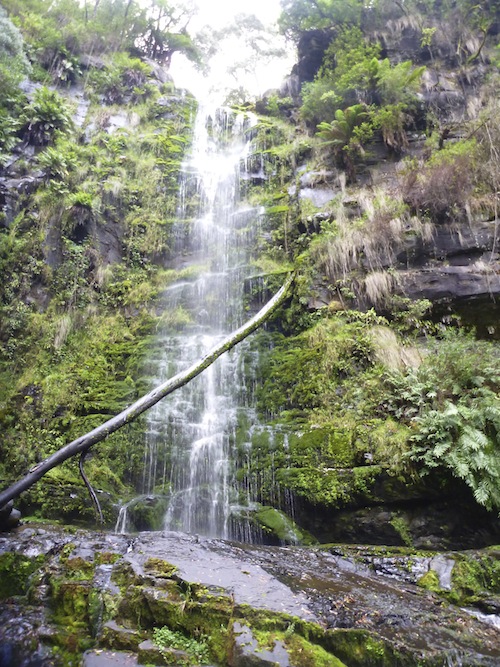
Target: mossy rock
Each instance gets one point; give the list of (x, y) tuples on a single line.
[(147, 513), (277, 524), (160, 568), (15, 573), (476, 577), (430, 581)]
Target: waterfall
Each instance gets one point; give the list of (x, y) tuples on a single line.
[(190, 437)]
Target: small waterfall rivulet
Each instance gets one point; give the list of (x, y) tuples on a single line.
[(191, 433)]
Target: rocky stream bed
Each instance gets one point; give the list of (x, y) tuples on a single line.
[(77, 597)]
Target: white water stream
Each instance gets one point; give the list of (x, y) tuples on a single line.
[(190, 435)]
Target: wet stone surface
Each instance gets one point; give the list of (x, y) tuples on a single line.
[(335, 590)]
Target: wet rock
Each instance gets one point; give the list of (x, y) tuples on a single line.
[(248, 653), (143, 513), (118, 637), (451, 282), (290, 87), (95, 62), (149, 653), (12, 190), (99, 658), (311, 49), (9, 516), (318, 196), (117, 121), (263, 524), (277, 600), (160, 73)]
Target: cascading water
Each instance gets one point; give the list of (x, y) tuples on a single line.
[(191, 434)]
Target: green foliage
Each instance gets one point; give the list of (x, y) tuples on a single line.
[(8, 127), (301, 15), (465, 439), (14, 66), (346, 135), (47, 115), (340, 132), (13, 59), (73, 335), (197, 649), (391, 120), (352, 75), (345, 78), (398, 83), (305, 371), (56, 163), (443, 185), (124, 78), (451, 402)]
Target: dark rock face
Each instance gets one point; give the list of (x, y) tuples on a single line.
[(9, 516), (311, 49), (460, 262), (12, 190), (421, 516)]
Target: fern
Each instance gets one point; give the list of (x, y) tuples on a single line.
[(464, 438)]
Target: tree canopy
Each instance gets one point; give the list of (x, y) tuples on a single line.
[(63, 28), (300, 15)]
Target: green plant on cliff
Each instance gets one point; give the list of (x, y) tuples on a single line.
[(123, 77), (83, 256), (353, 73), (47, 115), (14, 65), (345, 78), (346, 135), (451, 403), (197, 649), (466, 439), (443, 185)]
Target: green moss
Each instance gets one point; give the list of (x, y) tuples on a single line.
[(401, 526), (15, 573), (79, 569), (330, 487), (160, 568), (301, 651), (74, 335), (360, 648), (430, 581), (276, 523), (329, 446), (198, 651), (106, 558), (476, 577), (70, 603)]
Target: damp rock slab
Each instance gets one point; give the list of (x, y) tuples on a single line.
[(112, 590)]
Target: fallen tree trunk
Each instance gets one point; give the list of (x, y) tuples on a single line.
[(84, 442)]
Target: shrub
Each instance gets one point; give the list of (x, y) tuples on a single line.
[(451, 402), (125, 77), (48, 114), (346, 134), (56, 163), (442, 186), (466, 439)]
